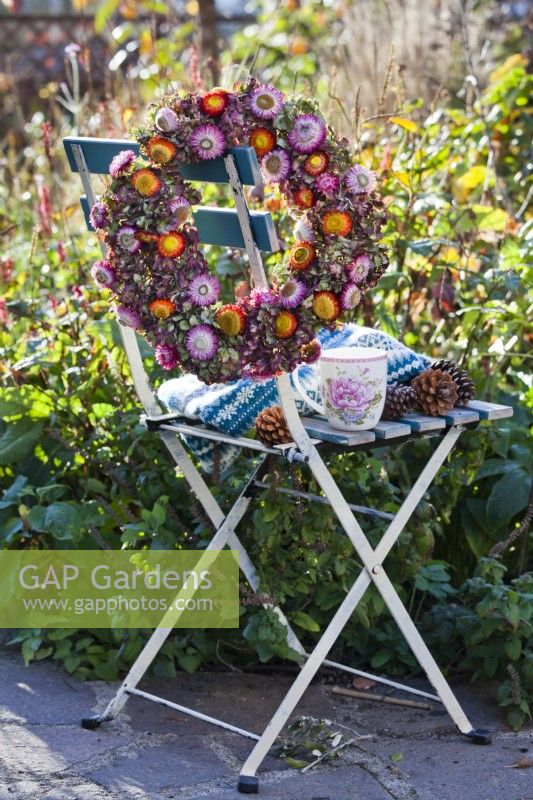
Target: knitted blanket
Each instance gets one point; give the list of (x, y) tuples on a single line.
[(233, 407)]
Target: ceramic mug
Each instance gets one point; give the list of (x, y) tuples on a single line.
[(353, 382)]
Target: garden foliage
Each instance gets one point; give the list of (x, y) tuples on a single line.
[(78, 471)]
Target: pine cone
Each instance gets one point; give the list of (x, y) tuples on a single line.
[(436, 391), (271, 427), (465, 385), (400, 399)]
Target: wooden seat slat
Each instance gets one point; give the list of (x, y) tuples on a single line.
[(420, 423), (490, 411)]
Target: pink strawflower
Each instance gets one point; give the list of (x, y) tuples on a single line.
[(350, 297), (128, 316), (327, 183), (276, 165), (103, 274), (265, 102), (166, 356), (207, 141), (292, 293), (360, 180), (99, 217), (166, 120), (180, 208), (127, 240), (359, 268), (121, 162), (261, 297), (308, 133), (202, 342), (303, 231), (204, 290)]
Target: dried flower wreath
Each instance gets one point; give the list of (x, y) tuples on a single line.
[(160, 279)]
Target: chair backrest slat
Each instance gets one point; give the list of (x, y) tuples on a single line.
[(221, 226), (98, 154)]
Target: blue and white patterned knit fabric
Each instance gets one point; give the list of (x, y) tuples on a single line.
[(233, 407)]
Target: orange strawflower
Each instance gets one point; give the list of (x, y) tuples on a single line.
[(214, 103), (231, 319), (161, 150), (304, 197), (161, 308), (326, 306), (336, 223), (285, 324), (316, 163), (262, 140), (145, 182), (301, 255), (171, 244)]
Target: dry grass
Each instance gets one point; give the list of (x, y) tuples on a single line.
[(396, 51)]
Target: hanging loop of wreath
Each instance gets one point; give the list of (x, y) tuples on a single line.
[(160, 280)]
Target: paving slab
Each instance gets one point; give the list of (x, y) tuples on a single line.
[(151, 752)]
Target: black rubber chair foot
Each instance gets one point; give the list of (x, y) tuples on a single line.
[(248, 784), (91, 723), (479, 736)]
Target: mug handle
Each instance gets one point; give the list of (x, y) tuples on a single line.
[(318, 407)]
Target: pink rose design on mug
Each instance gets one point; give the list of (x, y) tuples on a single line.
[(350, 397)]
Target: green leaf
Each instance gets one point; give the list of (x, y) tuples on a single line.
[(513, 648), (18, 441), (396, 757), (380, 658), (516, 719), (296, 763), (12, 493), (306, 622), (508, 496), (189, 661)]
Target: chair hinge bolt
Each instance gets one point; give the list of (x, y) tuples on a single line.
[(376, 570)]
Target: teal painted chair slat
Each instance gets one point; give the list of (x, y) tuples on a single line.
[(98, 154), (221, 226)]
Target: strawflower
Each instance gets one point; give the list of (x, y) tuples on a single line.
[(307, 134), (207, 141), (204, 290), (285, 324), (162, 308), (145, 182), (161, 150), (360, 180), (336, 223), (202, 342), (166, 356), (326, 306), (171, 244), (301, 256), (265, 102), (121, 163)]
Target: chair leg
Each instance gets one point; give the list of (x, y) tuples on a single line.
[(303, 679), (159, 636)]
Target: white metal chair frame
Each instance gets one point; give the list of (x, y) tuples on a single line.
[(303, 449)]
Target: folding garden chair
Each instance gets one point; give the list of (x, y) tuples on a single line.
[(313, 439)]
